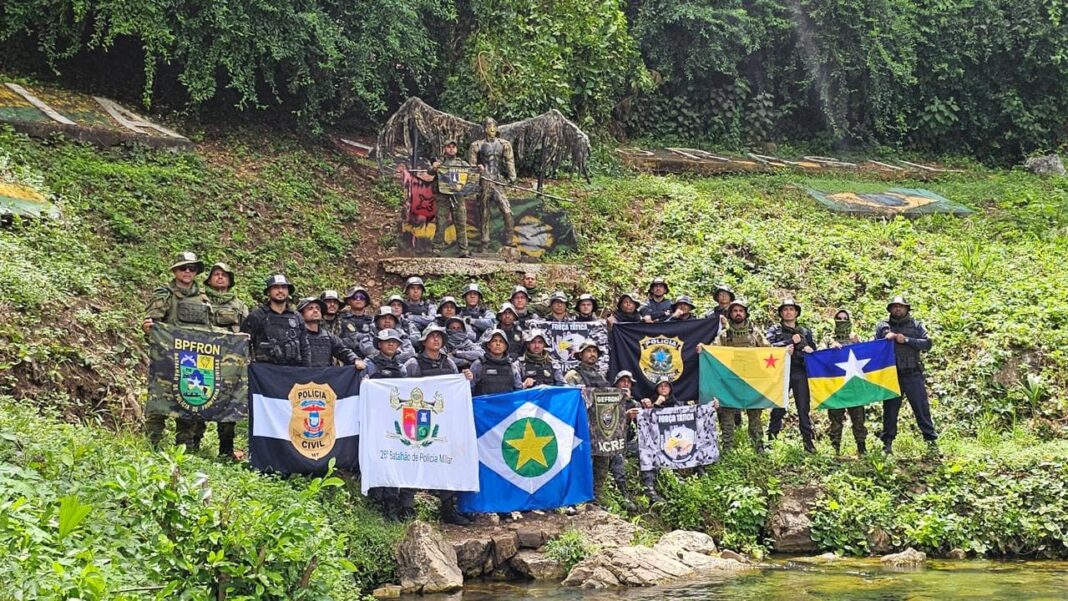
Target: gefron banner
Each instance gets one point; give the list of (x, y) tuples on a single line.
[(418, 433), (654, 350), (197, 373), (301, 417), (607, 419)]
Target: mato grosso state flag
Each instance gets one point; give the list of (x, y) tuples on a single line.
[(302, 417), (854, 375), (533, 450), (653, 350), (197, 373), (418, 433), (745, 377)]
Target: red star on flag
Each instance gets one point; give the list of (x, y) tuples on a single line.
[(770, 361)]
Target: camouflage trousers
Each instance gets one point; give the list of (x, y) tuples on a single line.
[(493, 193), (449, 205), (189, 432), (856, 422), (726, 418), (600, 478)]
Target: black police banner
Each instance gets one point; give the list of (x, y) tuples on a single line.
[(302, 417), (197, 373), (654, 350), (605, 413), (677, 437)]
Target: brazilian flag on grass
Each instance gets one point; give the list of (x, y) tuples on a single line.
[(745, 377), (854, 375)]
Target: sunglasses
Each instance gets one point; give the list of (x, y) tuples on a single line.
[(187, 268)]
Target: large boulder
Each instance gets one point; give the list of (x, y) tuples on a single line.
[(474, 556), (603, 530), (537, 566), (426, 563), (626, 566), (505, 546), (685, 540), (790, 526), (1045, 165), (909, 558)]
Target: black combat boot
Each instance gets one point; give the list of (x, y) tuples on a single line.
[(810, 447), (862, 448)]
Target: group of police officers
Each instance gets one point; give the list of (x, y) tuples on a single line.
[(506, 350)]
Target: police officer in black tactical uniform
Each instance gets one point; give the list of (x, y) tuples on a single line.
[(798, 342), (535, 367), (617, 464), (323, 346), (910, 340), (495, 372), (395, 503), (658, 306), (277, 331)]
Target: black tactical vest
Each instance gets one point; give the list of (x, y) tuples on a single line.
[(592, 377), (279, 342), (907, 357), (362, 322), (420, 307), (496, 376), (539, 371), (430, 367), (321, 348), (387, 368), (515, 341)]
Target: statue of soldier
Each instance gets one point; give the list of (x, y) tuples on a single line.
[(181, 303), (277, 331), (228, 313), (454, 204), (495, 160)]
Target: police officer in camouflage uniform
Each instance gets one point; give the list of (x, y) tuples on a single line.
[(910, 340), (626, 309), (495, 160), (617, 464), (658, 306), (738, 331), (474, 312), (798, 342), (520, 300), (587, 375), (495, 372), (277, 331), (323, 346), (587, 308), (453, 204), (386, 320), (508, 322), (180, 303), (418, 310), (557, 310), (844, 336), (356, 320), (724, 296), (228, 313), (539, 299), (331, 321), (682, 309)]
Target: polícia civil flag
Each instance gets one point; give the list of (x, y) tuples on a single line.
[(854, 375), (533, 451), (745, 377)]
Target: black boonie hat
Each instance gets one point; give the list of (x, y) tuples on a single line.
[(278, 280)]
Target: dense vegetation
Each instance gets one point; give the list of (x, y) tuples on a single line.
[(985, 77)]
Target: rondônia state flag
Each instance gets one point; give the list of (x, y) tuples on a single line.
[(854, 375), (745, 377)]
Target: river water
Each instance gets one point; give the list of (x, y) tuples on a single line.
[(844, 580)]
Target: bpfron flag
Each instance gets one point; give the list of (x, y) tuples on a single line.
[(301, 417), (418, 433)]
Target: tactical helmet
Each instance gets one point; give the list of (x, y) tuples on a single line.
[(588, 297), (587, 344), (723, 288), (507, 307), (187, 258), (330, 295), (448, 300), (414, 281), (622, 374), (519, 290), (899, 300), (304, 302), (384, 311), (472, 287), (532, 334), (658, 280), (388, 334), (633, 296), (396, 298), (682, 300), (493, 333), (558, 296), (225, 269), (351, 294), (434, 328), (278, 280), (788, 302)]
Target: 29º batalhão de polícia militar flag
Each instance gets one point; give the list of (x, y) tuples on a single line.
[(854, 375), (654, 350), (745, 377), (302, 417)]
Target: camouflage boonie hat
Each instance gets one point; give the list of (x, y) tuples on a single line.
[(330, 295), (455, 319), (656, 281), (448, 300), (508, 307), (898, 300), (589, 344), (387, 334), (495, 332), (633, 296), (278, 280), (384, 311), (472, 287), (519, 290), (558, 296), (723, 288), (396, 298), (683, 300), (223, 267), (187, 258), (738, 302), (623, 374), (788, 302), (351, 294), (587, 297), (664, 380), (532, 334), (435, 329), (414, 281)]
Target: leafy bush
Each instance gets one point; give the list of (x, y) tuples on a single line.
[(569, 548)]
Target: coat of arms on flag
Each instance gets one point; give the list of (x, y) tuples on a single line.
[(302, 417), (197, 373), (607, 422), (458, 179), (533, 451), (654, 350), (745, 377), (418, 433), (677, 437), (661, 356), (854, 375)]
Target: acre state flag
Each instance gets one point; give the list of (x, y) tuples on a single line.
[(302, 417), (745, 377), (852, 376)]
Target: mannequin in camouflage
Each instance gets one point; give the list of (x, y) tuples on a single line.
[(495, 160)]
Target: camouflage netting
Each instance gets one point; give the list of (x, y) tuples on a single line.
[(551, 138)]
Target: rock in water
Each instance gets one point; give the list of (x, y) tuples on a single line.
[(626, 566), (957, 553), (537, 566), (1050, 164), (906, 559), (685, 540), (426, 563), (791, 528)]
